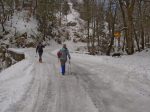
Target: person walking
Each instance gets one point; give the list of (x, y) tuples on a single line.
[(39, 49), (63, 54)]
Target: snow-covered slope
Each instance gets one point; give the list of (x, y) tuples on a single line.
[(72, 25), (76, 32), (21, 23)]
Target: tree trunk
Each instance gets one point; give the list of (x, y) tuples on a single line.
[(111, 43), (97, 34), (3, 27), (124, 22), (129, 48), (88, 36), (141, 25), (4, 16), (130, 42), (142, 38), (112, 28), (136, 39)]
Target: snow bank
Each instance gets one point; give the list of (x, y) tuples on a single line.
[(139, 62), (19, 51), (14, 81)]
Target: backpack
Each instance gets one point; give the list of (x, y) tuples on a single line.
[(62, 54), (59, 54)]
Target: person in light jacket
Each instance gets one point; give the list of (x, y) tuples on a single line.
[(63, 54)]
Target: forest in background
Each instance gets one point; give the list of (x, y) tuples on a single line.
[(110, 25)]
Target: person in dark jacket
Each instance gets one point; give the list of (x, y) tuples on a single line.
[(63, 54), (39, 49)]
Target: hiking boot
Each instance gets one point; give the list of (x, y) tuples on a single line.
[(40, 60)]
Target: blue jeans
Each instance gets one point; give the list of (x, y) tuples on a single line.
[(63, 69), (63, 66)]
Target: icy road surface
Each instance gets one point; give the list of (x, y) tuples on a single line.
[(30, 86)]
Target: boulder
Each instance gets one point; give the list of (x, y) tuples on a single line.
[(16, 56), (71, 24), (8, 61)]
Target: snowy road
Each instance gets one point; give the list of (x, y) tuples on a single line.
[(30, 86), (112, 90), (43, 88)]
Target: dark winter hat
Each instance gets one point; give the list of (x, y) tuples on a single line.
[(64, 45)]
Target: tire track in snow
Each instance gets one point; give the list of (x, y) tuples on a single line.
[(19, 106), (105, 96), (40, 95), (18, 75), (48, 91), (11, 81), (71, 96)]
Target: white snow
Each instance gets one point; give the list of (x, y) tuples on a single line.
[(138, 62), (97, 83), (126, 77), (23, 23), (13, 83), (72, 17)]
